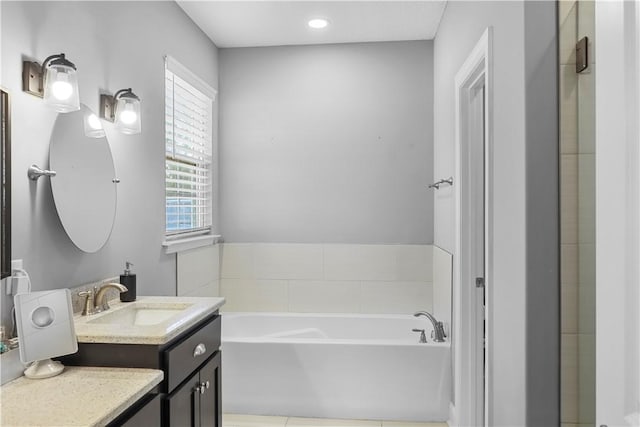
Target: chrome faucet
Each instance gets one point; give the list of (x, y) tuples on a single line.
[(438, 334), (96, 301)]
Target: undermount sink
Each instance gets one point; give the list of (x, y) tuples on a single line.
[(141, 314), (148, 320)]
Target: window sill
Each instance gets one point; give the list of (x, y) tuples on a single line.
[(179, 245)]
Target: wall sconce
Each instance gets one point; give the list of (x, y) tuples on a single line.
[(123, 109), (56, 81)]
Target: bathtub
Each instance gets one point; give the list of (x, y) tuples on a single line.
[(333, 366)]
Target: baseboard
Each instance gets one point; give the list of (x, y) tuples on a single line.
[(453, 418)]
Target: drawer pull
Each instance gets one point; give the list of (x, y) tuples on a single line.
[(199, 350)]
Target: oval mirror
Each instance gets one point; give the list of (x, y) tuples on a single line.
[(84, 188)]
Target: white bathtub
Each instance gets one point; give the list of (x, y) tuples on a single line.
[(334, 366)]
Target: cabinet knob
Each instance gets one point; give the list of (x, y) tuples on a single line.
[(199, 350), (203, 387)]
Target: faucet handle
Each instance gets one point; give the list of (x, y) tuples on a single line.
[(423, 337), (89, 306)]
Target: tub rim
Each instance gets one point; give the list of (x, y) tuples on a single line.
[(326, 341)]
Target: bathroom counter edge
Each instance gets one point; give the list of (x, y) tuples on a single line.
[(87, 396)]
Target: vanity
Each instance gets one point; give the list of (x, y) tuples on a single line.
[(179, 336), (152, 362)]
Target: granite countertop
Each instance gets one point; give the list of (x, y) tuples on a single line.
[(80, 396), (189, 311)]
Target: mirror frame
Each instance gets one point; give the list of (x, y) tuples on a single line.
[(5, 188)]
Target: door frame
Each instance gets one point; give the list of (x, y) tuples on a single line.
[(617, 213), (471, 409)]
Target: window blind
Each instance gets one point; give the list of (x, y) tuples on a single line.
[(188, 150)]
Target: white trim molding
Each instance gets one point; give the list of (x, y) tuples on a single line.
[(179, 245), (193, 79), (474, 75), (617, 213)]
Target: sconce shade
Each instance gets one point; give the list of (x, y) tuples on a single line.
[(127, 112), (92, 126), (61, 84)]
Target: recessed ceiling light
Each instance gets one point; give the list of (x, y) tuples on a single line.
[(318, 23)]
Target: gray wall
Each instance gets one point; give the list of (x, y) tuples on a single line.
[(328, 143), (543, 239), (114, 45), (514, 104)]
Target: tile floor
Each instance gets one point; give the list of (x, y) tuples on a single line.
[(235, 420)]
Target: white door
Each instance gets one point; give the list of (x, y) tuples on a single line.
[(617, 214)]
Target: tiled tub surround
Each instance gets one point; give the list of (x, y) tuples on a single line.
[(356, 366), (327, 278), (198, 272), (577, 206)]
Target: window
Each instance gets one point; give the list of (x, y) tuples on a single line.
[(189, 152)]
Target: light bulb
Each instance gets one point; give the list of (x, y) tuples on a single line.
[(62, 90), (128, 116), (318, 23), (94, 122)]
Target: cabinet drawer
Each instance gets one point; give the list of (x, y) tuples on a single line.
[(185, 357)]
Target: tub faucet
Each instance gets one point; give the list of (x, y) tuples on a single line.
[(96, 298), (438, 330)]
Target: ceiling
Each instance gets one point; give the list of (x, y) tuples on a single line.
[(275, 23)]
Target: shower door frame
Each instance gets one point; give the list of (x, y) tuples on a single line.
[(473, 323)]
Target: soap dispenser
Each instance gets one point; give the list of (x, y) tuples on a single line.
[(129, 280)]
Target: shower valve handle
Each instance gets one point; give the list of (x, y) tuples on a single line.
[(423, 337)]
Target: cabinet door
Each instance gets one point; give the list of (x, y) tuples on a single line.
[(182, 404), (148, 415), (210, 398)]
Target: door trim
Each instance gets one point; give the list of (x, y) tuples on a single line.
[(476, 71), (617, 213)]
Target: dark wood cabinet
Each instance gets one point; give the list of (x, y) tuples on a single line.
[(211, 399), (147, 413), (197, 401), (190, 393), (179, 406)]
